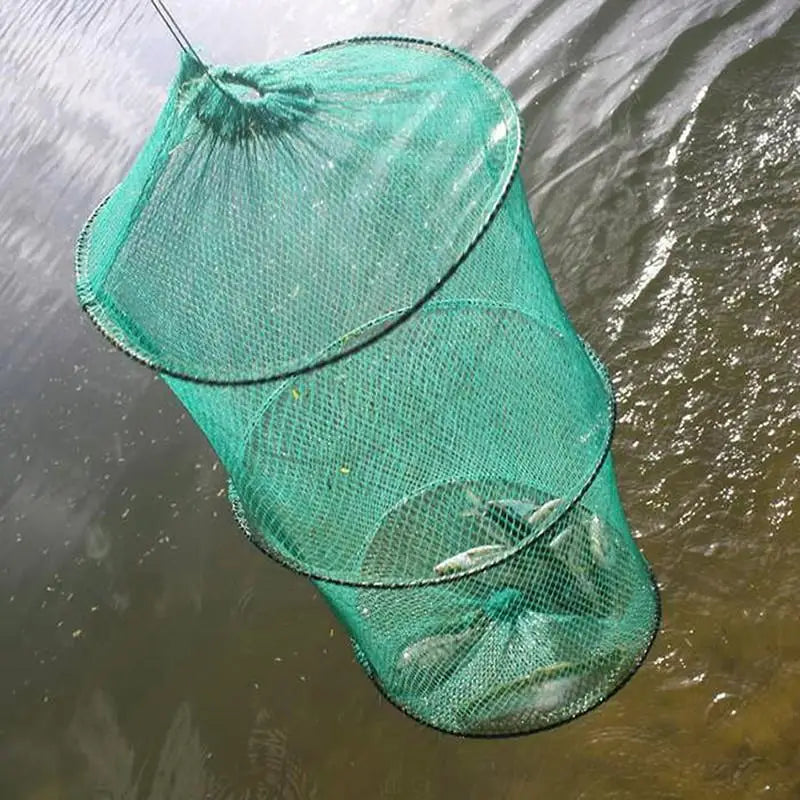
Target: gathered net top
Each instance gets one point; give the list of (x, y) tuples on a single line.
[(278, 207)]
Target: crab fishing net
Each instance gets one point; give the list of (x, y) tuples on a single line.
[(331, 261)]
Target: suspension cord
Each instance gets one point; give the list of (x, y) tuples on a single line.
[(183, 40)]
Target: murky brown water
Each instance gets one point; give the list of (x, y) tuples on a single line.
[(147, 652)]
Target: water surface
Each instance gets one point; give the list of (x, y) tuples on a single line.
[(150, 653)]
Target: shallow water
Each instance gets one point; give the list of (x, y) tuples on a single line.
[(150, 653)]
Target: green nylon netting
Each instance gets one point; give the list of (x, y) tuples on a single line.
[(447, 484), (311, 197)]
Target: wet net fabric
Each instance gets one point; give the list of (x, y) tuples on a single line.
[(278, 208), (439, 461)]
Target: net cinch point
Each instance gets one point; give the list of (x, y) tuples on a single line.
[(331, 261)]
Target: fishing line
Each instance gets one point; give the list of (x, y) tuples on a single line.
[(183, 40)]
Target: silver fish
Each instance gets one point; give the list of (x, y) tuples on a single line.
[(599, 542), (537, 694), (570, 546), (470, 558), (525, 510), (480, 510), (524, 687), (517, 512), (543, 511), (564, 538), (544, 699), (433, 650)]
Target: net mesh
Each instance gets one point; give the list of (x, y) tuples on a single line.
[(448, 483), (527, 644), (262, 223)]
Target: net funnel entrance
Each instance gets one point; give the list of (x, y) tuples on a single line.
[(332, 263)]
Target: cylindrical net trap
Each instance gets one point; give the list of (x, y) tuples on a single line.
[(332, 261)]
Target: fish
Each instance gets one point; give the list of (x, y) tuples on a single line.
[(537, 693), (569, 545), (599, 543), (433, 650), (584, 552), (470, 558), (493, 511), (511, 514), (549, 697), (543, 511), (563, 539), (525, 511), (525, 687), (556, 579)]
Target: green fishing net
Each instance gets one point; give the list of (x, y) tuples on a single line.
[(331, 262)]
